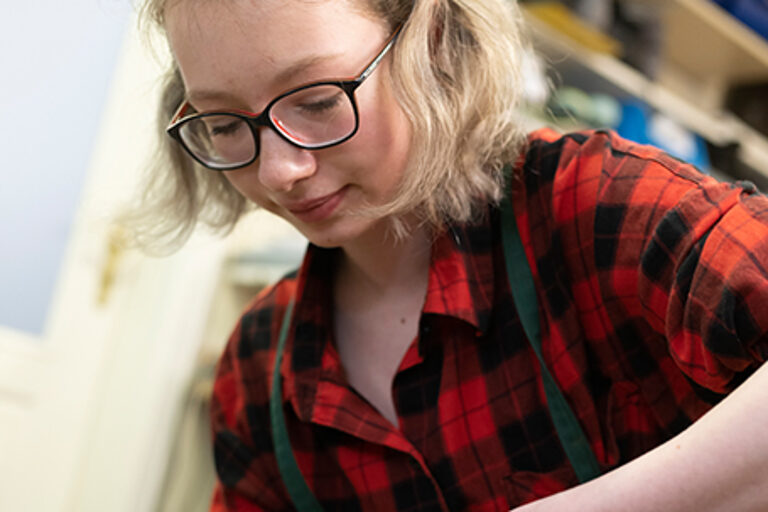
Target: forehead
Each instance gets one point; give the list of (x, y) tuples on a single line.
[(242, 46)]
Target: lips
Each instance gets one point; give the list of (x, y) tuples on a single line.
[(316, 209), (306, 205)]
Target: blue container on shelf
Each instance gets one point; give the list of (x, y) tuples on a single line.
[(753, 13), (641, 124)]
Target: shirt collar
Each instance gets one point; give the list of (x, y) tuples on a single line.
[(460, 285), (461, 274), (312, 325)]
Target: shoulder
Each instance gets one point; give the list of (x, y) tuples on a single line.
[(548, 153), (583, 175), (261, 318), (244, 368), (239, 408)]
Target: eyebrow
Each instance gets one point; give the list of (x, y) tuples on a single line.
[(283, 77)]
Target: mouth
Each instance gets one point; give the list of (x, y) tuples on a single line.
[(317, 209)]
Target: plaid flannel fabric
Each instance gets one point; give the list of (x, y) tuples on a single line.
[(653, 299)]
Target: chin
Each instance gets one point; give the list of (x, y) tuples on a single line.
[(341, 233)]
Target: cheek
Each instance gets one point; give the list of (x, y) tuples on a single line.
[(235, 178), (394, 148), (246, 182), (385, 135)]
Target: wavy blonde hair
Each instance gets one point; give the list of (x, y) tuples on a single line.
[(455, 71)]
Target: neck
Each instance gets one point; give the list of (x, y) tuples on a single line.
[(378, 263)]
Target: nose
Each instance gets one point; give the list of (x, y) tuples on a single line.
[(281, 165)]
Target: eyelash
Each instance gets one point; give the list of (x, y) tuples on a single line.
[(226, 129), (321, 106)]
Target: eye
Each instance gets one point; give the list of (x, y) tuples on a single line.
[(225, 129), (321, 105)]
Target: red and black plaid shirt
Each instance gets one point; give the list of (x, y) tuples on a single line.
[(653, 301)]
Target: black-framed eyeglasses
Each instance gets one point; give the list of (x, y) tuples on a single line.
[(313, 116)]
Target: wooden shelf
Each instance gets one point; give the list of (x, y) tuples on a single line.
[(256, 270), (705, 51), (705, 40), (598, 72)]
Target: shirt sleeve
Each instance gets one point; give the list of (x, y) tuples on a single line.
[(704, 281), (665, 246)]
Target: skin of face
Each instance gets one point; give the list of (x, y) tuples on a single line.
[(235, 55)]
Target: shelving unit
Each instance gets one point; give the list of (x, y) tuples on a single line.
[(746, 51), (256, 269), (702, 37), (261, 250)]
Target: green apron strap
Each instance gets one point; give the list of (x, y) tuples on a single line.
[(301, 495), (523, 289)]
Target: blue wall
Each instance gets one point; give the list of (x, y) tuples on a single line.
[(56, 62)]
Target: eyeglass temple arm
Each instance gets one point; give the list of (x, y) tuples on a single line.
[(375, 62), (180, 112)]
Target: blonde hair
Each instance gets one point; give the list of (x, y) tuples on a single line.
[(455, 71)]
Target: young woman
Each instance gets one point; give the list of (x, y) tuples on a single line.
[(407, 376)]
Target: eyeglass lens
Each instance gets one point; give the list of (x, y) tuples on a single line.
[(313, 117)]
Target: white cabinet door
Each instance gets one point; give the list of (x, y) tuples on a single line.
[(88, 386)]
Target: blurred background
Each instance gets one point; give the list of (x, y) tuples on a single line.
[(106, 354)]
